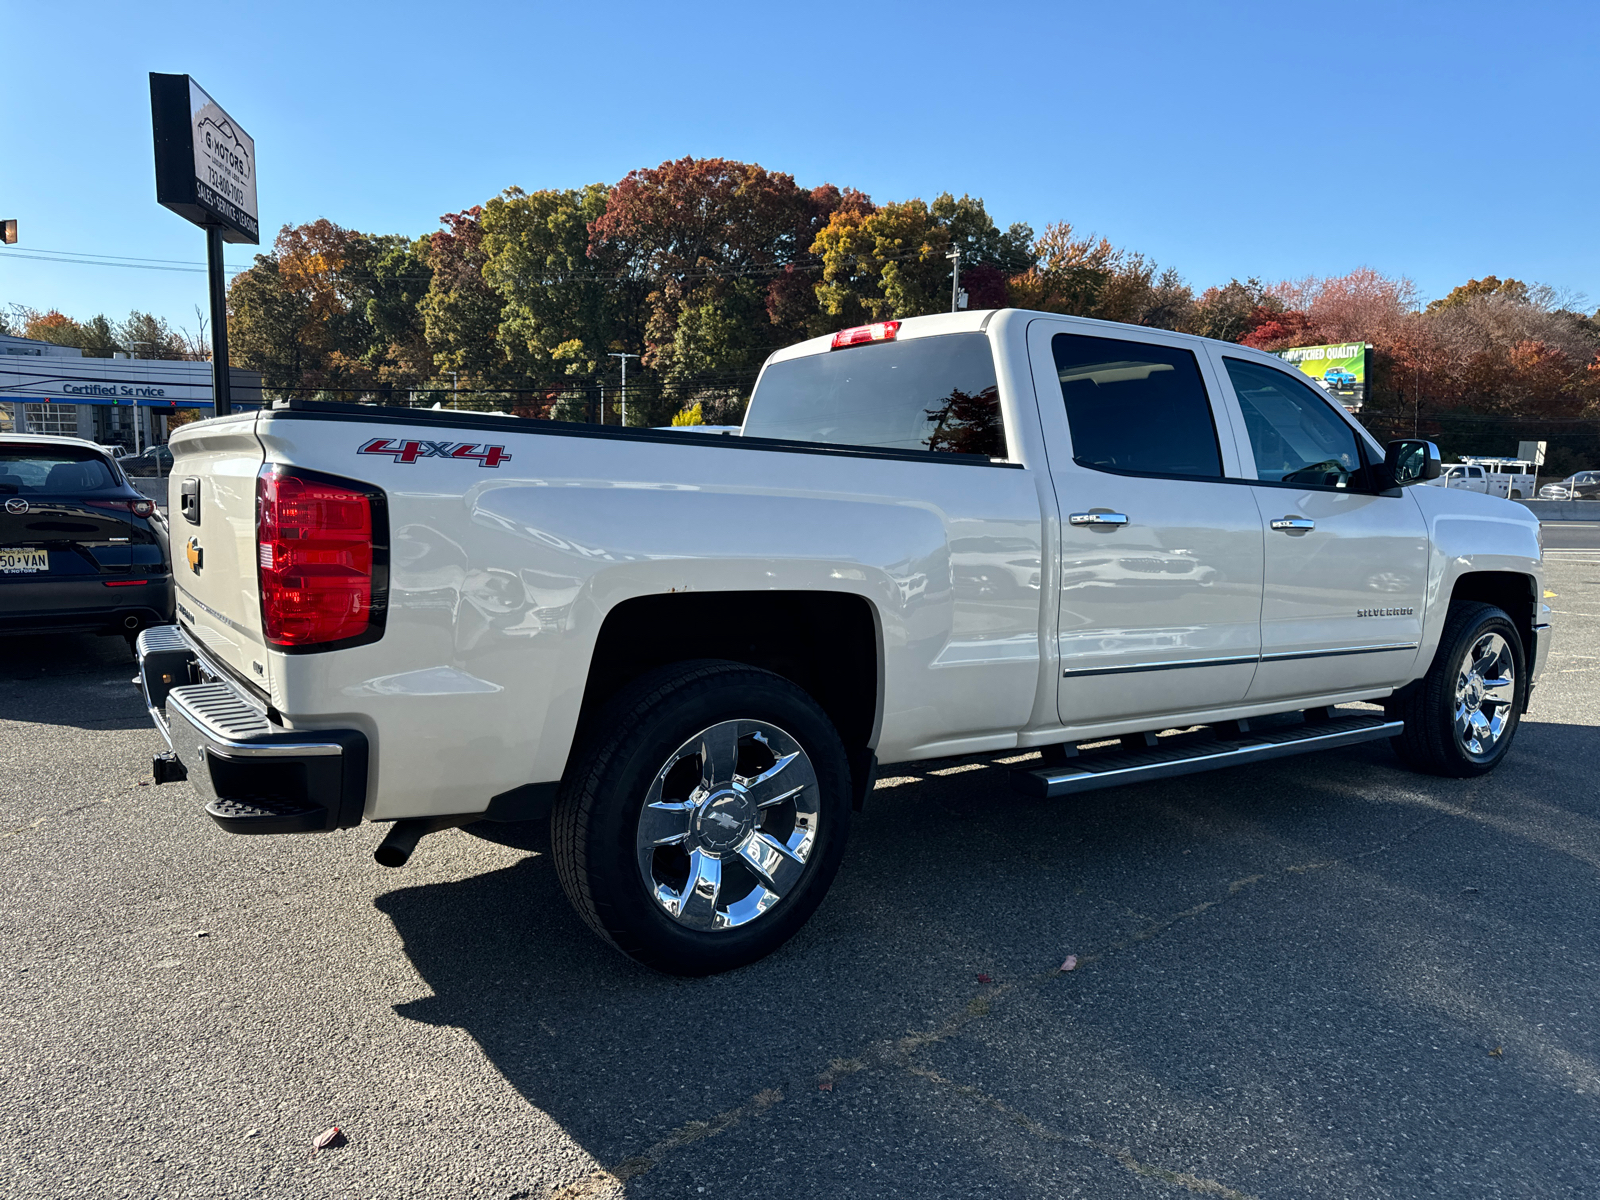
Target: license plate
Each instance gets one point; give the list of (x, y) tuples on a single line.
[(17, 561)]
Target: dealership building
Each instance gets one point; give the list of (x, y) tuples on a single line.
[(119, 401)]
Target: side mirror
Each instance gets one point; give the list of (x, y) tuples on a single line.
[(1407, 461)]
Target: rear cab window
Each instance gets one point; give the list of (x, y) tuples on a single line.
[(33, 470), (934, 394)]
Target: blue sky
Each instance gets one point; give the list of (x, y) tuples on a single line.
[(1438, 141)]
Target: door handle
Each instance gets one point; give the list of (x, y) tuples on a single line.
[(1294, 524), (1097, 518)]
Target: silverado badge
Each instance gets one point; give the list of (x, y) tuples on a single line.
[(195, 555)]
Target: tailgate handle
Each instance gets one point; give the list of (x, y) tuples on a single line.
[(189, 499)]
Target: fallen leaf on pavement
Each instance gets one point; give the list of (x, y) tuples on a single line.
[(1071, 964), (328, 1139), (983, 978), (1495, 1053)]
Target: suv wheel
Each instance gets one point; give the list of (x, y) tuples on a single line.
[(1462, 715), (704, 818)]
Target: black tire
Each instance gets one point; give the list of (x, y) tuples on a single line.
[(1431, 742), (596, 821)]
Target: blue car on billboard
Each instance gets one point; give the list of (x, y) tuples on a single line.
[(1338, 378)]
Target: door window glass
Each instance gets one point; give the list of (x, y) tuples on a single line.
[(932, 393), (1136, 407), (1297, 438)]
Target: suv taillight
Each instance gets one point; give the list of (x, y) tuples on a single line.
[(321, 547)]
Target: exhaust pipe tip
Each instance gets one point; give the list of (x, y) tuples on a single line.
[(395, 850), (130, 622)]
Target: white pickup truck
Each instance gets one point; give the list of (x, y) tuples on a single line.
[(1136, 552), (1512, 478)]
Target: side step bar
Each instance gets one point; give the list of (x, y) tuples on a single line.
[(1186, 754)]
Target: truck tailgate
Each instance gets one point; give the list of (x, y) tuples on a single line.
[(214, 541)]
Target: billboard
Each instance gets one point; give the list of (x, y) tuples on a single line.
[(205, 163), (1340, 369)]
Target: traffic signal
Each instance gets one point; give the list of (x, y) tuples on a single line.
[(8, 232)]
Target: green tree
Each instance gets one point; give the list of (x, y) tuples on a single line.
[(268, 320), (96, 337), (149, 336), (461, 312), (891, 261), (720, 249), (563, 309)]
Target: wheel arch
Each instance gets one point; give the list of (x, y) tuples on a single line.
[(828, 643), (1513, 591)]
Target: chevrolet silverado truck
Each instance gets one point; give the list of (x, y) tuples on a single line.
[(1136, 552)]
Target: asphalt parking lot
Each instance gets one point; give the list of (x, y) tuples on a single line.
[(1322, 977)]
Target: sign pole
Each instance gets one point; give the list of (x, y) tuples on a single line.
[(221, 394), (206, 173)]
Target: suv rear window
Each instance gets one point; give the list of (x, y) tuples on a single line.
[(46, 470), (935, 393)]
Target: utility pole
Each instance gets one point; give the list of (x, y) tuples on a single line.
[(138, 440), (453, 403), (624, 358), (955, 277)]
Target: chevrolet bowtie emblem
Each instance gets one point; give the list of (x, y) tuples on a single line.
[(195, 555)]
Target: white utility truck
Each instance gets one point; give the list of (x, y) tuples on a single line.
[(1510, 478), (1137, 552)]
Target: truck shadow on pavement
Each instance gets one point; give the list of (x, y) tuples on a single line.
[(76, 680), (1279, 969)]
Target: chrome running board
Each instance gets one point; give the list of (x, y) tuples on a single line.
[(1206, 750)]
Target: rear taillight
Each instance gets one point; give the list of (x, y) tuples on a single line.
[(861, 335), (320, 545)]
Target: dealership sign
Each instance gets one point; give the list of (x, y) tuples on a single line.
[(205, 163), (1341, 368)]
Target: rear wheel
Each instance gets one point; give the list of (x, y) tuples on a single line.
[(704, 818), (1462, 716)]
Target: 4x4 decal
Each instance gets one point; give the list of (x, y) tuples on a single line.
[(409, 452)]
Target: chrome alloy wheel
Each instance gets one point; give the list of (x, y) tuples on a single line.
[(728, 825), (1486, 690)]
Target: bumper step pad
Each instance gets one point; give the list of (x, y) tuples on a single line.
[(1205, 750), (266, 816)]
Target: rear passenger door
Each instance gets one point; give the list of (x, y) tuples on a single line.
[(1161, 559), (1345, 567)]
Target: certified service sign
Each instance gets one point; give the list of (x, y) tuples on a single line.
[(205, 163)]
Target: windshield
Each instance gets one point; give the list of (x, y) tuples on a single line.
[(45, 470)]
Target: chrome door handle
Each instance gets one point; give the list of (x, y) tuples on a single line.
[(1294, 524), (1097, 518)]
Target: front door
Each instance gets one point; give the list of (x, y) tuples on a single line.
[(1345, 568), (1161, 559)]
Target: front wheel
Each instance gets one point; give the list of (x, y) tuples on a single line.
[(1462, 715), (704, 818)]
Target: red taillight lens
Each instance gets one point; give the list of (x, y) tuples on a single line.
[(316, 557), (861, 335)]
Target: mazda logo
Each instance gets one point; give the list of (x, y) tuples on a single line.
[(16, 507)]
